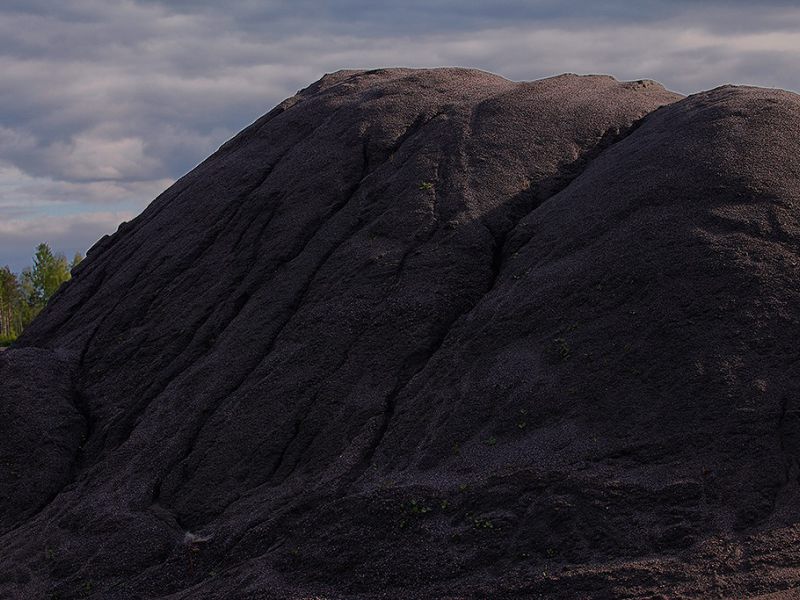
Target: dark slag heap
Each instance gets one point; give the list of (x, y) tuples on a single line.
[(423, 334)]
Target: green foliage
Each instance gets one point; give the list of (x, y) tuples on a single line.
[(417, 508), (522, 423), (23, 296), (426, 186), (479, 522), (49, 271), (10, 307)]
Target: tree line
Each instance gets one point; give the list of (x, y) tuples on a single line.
[(24, 295)]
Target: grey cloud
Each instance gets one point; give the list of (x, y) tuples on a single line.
[(19, 237), (424, 16), (103, 101)]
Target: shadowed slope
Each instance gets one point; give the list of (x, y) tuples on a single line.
[(437, 332)]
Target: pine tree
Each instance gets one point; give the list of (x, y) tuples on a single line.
[(76, 260), (48, 273), (23, 297)]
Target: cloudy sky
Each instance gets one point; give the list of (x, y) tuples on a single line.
[(104, 103)]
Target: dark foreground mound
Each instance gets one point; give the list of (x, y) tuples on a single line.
[(430, 334)]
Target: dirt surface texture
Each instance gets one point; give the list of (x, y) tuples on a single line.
[(430, 334)]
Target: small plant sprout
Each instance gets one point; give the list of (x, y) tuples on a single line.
[(562, 348), (426, 186), (482, 523), (417, 508)]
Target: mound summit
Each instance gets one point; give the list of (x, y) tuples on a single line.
[(429, 334)]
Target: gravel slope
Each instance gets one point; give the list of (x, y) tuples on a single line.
[(429, 334)]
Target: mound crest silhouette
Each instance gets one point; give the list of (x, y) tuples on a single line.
[(429, 334)]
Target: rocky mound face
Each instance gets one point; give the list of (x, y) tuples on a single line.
[(429, 334)]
